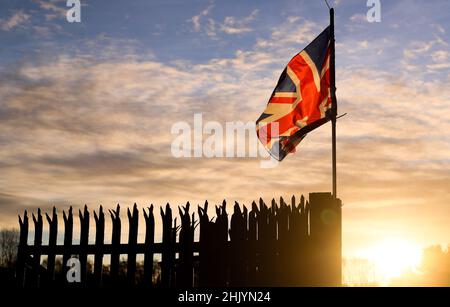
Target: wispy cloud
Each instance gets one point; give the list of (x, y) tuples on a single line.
[(358, 18), (17, 19), (197, 19), (230, 25)]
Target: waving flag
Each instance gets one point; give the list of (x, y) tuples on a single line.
[(300, 102)]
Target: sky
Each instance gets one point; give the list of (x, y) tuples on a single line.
[(86, 109)]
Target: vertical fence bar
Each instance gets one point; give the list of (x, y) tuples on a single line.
[(133, 221), (205, 233), (283, 246), (53, 234), (263, 247), (271, 270), (222, 245), (252, 247), (172, 263), (99, 242), (238, 234), (36, 264), (22, 253), (186, 277), (149, 241), (296, 243), (68, 236), (84, 240), (294, 262), (115, 242), (166, 258)]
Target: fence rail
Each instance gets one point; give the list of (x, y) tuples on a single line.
[(277, 245)]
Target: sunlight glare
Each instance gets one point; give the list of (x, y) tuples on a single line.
[(392, 257)]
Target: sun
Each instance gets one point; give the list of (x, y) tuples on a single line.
[(392, 257)]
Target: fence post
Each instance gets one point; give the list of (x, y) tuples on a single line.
[(22, 253), (133, 221), (325, 231), (53, 225), (149, 241), (68, 234), (99, 242), (84, 240), (115, 242)]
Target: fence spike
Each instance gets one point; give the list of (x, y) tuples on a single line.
[(129, 214), (224, 207), (21, 222), (254, 207), (144, 213), (237, 209), (68, 218)]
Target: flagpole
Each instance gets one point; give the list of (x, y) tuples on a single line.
[(333, 102)]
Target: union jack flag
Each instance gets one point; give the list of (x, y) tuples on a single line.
[(300, 102)]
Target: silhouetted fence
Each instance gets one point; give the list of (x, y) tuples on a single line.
[(276, 245)]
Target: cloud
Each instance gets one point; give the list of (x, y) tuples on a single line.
[(358, 18), (440, 56), (230, 25), (439, 28), (427, 56), (196, 20), (291, 33), (418, 48), (17, 19), (440, 66), (52, 6)]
